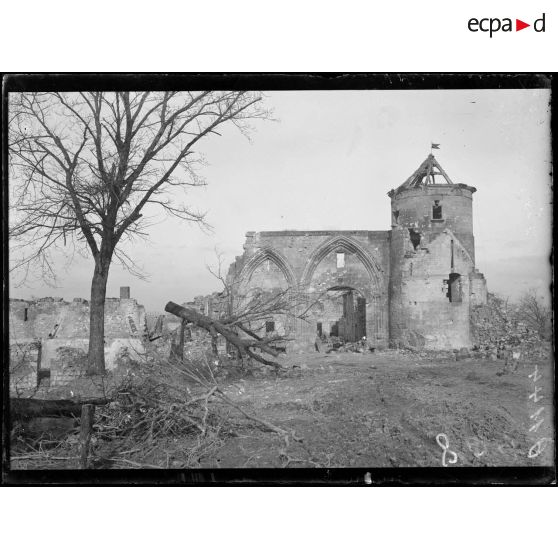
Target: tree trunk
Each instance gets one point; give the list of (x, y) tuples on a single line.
[(177, 343), (96, 354), (86, 430)]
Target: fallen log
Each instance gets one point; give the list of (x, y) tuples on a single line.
[(246, 346), (23, 409)]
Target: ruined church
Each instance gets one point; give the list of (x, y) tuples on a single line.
[(413, 285)]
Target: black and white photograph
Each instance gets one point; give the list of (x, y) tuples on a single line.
[(289, 276)]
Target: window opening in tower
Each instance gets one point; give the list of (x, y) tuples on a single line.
[(436, 210)]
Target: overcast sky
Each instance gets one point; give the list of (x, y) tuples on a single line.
[(328, 161)]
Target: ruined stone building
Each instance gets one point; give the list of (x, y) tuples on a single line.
[(49, 337), (413, 285)]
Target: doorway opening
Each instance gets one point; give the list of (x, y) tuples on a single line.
[(454, 288), (342, 314)]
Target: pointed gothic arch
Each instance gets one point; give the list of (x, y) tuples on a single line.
[(351, 246), (268, 253)]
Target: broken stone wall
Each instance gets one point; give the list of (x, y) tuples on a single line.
[(422, 314), (164, 332), (414, 211), (54, 318), (307, 262), (124, 318), (354, 275), (479, 291), (39, 329), (433, 281), (266, 281), (198, 345), (35, 319), (209, 305)]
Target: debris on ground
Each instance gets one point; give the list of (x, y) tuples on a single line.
[(335, 410), (499, 328)]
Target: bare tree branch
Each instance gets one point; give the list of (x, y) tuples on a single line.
[(535, 313)]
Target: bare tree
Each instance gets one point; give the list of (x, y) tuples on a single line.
[(85, 166), (533, 311)]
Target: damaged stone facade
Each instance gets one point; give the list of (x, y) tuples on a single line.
[(339, 274), (413, 286), (50, 336)]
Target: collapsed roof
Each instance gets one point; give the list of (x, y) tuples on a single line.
[(426, 174)]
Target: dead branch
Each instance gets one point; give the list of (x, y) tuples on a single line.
[(246, 346)]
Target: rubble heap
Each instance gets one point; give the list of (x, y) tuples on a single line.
[(497, 327)]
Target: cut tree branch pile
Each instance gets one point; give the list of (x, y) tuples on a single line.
[(165, 414)]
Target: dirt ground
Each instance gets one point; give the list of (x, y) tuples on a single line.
[(386, 409), (393, 409)]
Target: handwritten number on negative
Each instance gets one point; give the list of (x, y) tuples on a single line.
[(538, 447), (442, 441), (535, 375)]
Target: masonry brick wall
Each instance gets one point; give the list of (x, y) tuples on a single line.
[(29, 320), (55, 318), (404, 274), (58, 331), (306, 262), (426, 311), (414, 210), (268, 278), (479, 293)]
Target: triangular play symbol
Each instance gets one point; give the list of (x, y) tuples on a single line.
[(519, 25)]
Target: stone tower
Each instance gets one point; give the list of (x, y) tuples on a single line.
[(433, 280)]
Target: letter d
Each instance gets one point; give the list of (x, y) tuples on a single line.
[(542, 21)]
